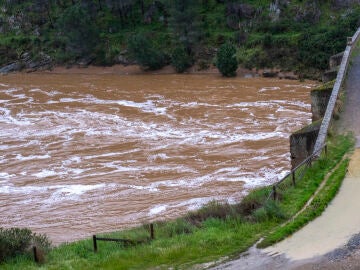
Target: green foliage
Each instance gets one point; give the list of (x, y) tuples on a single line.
[(226, 60), (184, 22), (180, 59), (15, 241), (254, 57), (78, 31), (301, 39), (145, 53)]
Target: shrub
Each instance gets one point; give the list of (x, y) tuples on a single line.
[(15, 241), (180, 59), (226, 60)]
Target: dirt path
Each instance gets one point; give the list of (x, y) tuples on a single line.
[(331, 241), (334, 228)]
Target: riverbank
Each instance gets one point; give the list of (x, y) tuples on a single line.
[(138, 70), (206, 235)]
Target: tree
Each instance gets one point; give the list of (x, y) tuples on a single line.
[(145, 53), (185, 23), (226, 60), (79, 31)]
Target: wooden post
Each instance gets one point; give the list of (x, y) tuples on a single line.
[(326, 149), (293, 178), (36, 258), (274, 193), (94, 243), (152, 235)]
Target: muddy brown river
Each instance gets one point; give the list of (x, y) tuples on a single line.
[(85, 153)]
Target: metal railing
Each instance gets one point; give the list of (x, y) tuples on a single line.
[(299, 171), (335, 92)]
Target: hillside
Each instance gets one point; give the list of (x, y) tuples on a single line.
[(287, 34)]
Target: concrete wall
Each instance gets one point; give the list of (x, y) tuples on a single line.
[(319, 101), (302, 143)]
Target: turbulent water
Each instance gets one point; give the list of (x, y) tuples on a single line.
[(82, 154)]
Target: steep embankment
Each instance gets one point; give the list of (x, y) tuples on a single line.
[(291, 35)]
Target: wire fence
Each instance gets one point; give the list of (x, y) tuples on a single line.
[(296, 174)]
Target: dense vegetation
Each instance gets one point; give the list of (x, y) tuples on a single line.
[(215, 231), (295, 35), (15, 242)]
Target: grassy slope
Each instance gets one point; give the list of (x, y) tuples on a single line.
[(183, 242)]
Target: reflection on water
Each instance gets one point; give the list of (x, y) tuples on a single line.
[(89, 153)]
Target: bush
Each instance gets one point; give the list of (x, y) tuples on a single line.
[(15, 241), (180, 59), (145, 53), (226, 60)]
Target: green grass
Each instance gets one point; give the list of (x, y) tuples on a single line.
[(316, 207), (209, 234)]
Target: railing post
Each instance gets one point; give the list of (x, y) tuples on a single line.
[(349, 41), (274, 193), (293, 178), (152, 235), (94, 243)]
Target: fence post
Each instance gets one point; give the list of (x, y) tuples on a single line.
[(36, 258), (274, 193), (94, 243), (152, 235), (293, 178)]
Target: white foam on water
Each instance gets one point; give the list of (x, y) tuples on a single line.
[(5, 117), (161, 156), (33, 157), (48, 93), (6, 176), (72, 160), (147, 106), (76, 189), (47, 173), (157, 209), (148, 188), (270, 88), (76, 171), (56, 192)]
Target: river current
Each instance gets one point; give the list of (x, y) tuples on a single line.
[(85, 153)]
